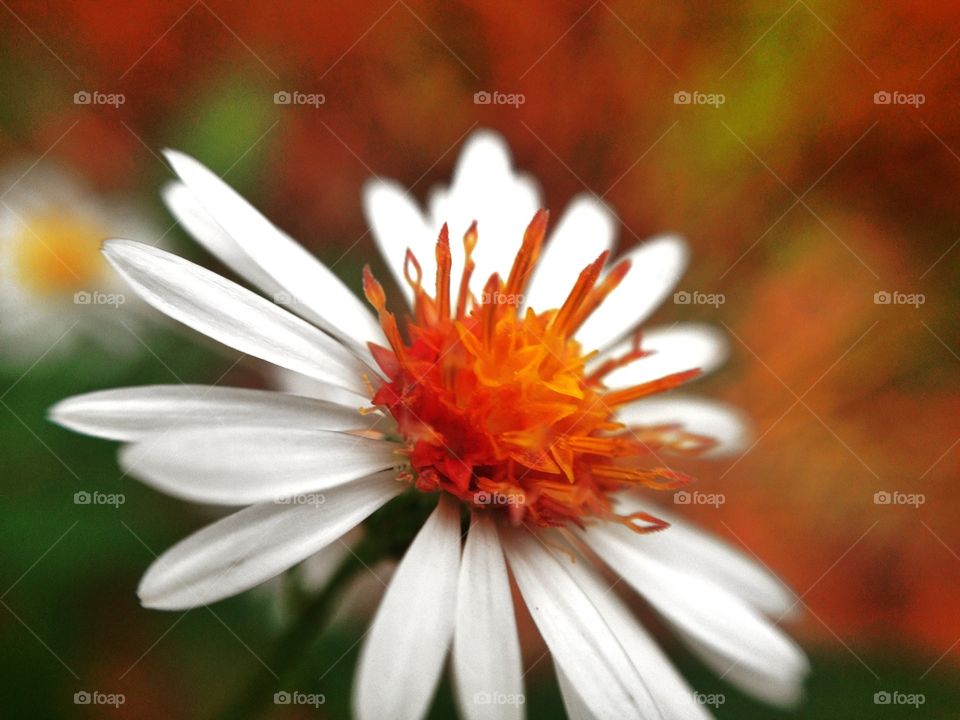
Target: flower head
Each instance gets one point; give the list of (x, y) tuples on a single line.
[(54, 279), (497, 402), (516, 390)]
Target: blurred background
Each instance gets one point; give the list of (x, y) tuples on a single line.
[(809, 151)]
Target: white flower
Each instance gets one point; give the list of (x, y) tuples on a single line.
[(498, 410), (55, 287)]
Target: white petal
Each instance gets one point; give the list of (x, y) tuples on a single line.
[(295, 383), (485, 188), (702, 612), (724, 423), (135, 413), (686, 346), (315, 291), (398, 224), (687, 548), (362, 594), (312, 574), (486, 649), (201, 225), (582, 644), (674, 698), (655, 268), (251, 546), (239, 466), (770, 687), (585, 230), (233, 315), (572, 702), (315, 571), (403, 654)]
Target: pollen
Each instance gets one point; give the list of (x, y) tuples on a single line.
[(501, 407), (58, 254)]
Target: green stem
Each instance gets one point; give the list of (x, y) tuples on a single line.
[(292, 646)]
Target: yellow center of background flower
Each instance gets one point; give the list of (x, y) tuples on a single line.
[(58, 254)]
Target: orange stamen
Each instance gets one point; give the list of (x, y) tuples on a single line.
[(443, 275), (581, 291), (668, 382), (469, 243), (499, 409), (598, 294), (528, 255)]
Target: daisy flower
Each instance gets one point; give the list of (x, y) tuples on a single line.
[(55, 286), (515, 396)]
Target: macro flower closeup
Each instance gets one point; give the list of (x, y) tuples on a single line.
[(508, 418)]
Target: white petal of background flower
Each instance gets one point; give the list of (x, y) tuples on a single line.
[(253, 545), (243, 465), (403, 653), (725, 424), (582, 644), (685, 346), (586, 229), (233, 315), (319, 293), (129, 414), (701, 611), (655, 268), (486, 649)]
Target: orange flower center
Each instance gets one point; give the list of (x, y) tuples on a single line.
[(500, 406)]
